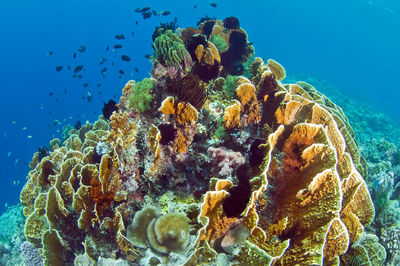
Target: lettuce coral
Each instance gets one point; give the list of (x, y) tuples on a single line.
[(293, 191)]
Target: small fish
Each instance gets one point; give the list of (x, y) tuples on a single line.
[(112, 63), (50, 93), (82, 48), (154, 12), (165, 13), (138, 10), (74, 55), (69, 67), (102, 60), (103, 72), (49, 53), (120, 37), (79, 76), (9, 154), (119, 76), (29, 137), (125, 58), (13, 122), (117, 46), (24, 128), (65, 91), (121, 72), (98, 85), (213, 4), (147, 56), (195, 6), (136, 69), (144, 9), (89, 96), (85, 85), (59, 68), (78, 68), (5, 135), (146, 15), (16, 161), (100, 93), (132, 33), (136, 22), (108, 47), (56, 100)]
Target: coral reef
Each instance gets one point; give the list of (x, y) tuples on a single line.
[(198, 166)]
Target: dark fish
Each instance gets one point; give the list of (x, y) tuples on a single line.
[(146, 15), (59, 68), (50, 93), (138, 10), (85, 85), (107, 48), (195, 6), (125, 58), (121, 72), (213, 4), (56, 100), (82, 48), (120, 36), (98, 84), (112, 63), (74, 75), (165, 13), (69, 67), (78, 68), (65, 91), (136, 22), (132, 33), (49, 53), (144, 9), (102, 60), (100, 93), (109, 108), (74, 55), (78, 125), (103, 72), (89, 96), (154, 12), (136, 69), (79, 76), (147, 56), (119, 76), (117, 46)]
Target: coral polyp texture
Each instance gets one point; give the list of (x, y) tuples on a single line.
[(212, 159)]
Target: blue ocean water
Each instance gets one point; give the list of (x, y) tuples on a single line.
[(353, 45)]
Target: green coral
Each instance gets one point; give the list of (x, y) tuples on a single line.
[(141, 98), (220, 43), (169, 49), (230, 86)]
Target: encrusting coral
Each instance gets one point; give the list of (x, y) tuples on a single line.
[(197, 166)]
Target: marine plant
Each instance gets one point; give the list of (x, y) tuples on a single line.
[(278, 180)]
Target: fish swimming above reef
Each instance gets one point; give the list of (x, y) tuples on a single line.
[(89, 96), (74, 55), (145, 9), (109, 108), (78, 69), (119, 36), (147, 15), (117, 46), (165, 13), (59, 68), (103, 72), (49, 53), (213, 4), (121, 72), (125, 58), (102, 60), (82, 48)]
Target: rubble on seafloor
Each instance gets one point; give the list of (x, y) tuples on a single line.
[(213, 159)]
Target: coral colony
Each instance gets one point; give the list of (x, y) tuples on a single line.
[(212, 159)]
